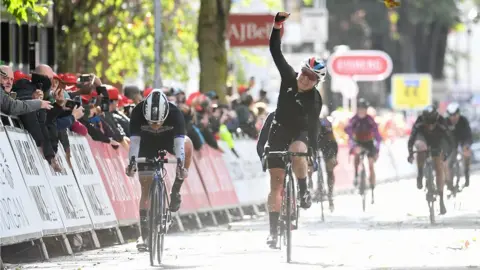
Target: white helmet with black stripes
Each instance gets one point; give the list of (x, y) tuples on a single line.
[(156, 107)]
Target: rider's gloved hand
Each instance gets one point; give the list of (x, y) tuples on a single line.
[(182, 173), (281, 17), (410, 158), (131, 170)]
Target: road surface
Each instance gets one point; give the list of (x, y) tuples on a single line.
[(393, 234)]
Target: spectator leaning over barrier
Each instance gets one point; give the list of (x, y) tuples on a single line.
[(36, 123), (9, 105), (118, 132), (122, 122)]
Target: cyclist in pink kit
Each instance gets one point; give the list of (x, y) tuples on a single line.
[(363, 133)]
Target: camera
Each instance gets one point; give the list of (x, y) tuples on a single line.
[(76, 102), (41, 82), (105, 104)]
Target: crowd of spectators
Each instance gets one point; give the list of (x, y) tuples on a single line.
[(50, 105)]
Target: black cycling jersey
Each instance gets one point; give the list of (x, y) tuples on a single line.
[(434, 137), (325, 139), (163, 139), (295, 111), (461, 131)]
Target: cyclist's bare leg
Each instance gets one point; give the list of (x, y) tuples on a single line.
[(371, 168), (330, 165), (356, 163), (175, 198), (466, 165), (277, 176), (440, 180), (300, 169), (421, 147), (145, 183)]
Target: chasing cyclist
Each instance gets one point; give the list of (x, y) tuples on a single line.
[(329, 147), (363, 133), (157, 124), (296, 120), (462, 135), (430, 130)]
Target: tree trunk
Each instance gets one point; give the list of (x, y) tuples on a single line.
[(212, 51)]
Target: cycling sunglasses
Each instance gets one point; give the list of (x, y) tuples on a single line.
[(309, 74)]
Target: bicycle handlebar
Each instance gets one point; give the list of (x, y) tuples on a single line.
[(287, 153), (155, 160)]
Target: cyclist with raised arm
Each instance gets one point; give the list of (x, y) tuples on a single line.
[(430, 131), (157, 124), (296, 120), (363, 133), (462, 134)]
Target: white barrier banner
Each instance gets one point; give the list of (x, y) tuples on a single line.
[(251, 183), (400, 155), (385, 166), (26, 154), (19, 217), (67, 195), (91, 184)]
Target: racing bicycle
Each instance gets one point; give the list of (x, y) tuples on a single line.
[(290, 210), (456, 171), (430, 185), (159, 216)]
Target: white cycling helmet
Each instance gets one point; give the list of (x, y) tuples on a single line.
[(318, 66), (453, 108), (156, 107)]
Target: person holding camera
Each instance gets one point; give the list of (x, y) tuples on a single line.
[(8, 103)]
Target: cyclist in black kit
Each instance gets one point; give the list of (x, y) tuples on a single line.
[(462, 135), (326, 143), (296, 120), (157, 124), (431, 131)]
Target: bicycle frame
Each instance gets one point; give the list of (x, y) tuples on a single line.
[(430, 184)]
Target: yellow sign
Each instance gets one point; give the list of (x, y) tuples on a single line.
[(411, 91)]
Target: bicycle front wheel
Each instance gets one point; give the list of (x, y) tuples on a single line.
[(155, 198), (163, 221), (291, 206)]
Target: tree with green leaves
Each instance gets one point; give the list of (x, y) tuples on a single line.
[(112, 37), (212, 50), (26, 10)]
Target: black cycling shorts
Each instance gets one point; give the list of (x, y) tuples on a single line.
[(369, 146), (279, 139), (328, 152)]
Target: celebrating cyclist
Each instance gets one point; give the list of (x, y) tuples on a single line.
[(296, 120), (363, 133), (462, 135), (156, 124), (329, 147), (430, 131)]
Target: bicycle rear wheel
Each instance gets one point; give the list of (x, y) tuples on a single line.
[(290, 204), (155, 198)]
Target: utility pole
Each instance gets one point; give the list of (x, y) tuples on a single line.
[(157, 80)]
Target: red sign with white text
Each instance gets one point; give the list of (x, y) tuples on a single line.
[(361, 65), (249, 30)]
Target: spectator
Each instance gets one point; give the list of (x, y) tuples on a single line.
[(36, 123), (121, 121), (263, 97), (132, 92), (246, 117), (11, 106)]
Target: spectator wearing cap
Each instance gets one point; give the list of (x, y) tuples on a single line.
[(126, 106), (118, 131), (122, 121)]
